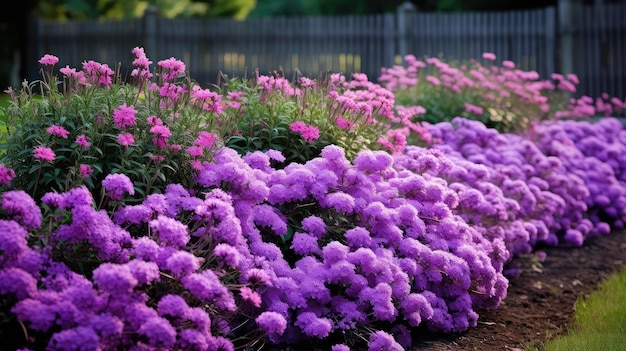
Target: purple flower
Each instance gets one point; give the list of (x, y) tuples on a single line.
[(340, 201), (340, 347), (172, 305), (146, 249), (79, 338), (22, 208), (43, 153), (76, 197), (16, 281), (115, 278), (312, 325), (383, 341), (159, 332), (304, 244), (314, 225), (40, 315), (358, 237), (145, 272), (6, 175), (228, 254), (13, 242), (191, 339), (170, 231), (206, 286), (106, 325), (182, 263), (334, 252), (272, 323), (117, 185)]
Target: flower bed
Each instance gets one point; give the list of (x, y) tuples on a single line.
[(156, 214)]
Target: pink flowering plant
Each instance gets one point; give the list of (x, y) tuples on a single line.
[(300, 118), (499, 95), (74, 127)]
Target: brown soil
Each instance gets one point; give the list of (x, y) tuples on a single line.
[(540, 305)]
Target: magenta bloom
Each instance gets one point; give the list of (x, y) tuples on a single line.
[(308, 132), (49, 60), (489, 56), (125, 139), (83, 141), (117, 185), (205, 140), (85, 170), (58, 131), (43, 153), (124, 116), (477, 110), (6, 175)]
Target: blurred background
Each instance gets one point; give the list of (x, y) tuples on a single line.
[(235, 38)]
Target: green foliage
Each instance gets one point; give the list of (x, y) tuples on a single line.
[(115, 9), (600, 320)]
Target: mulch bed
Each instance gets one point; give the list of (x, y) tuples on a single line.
[(539, 305)]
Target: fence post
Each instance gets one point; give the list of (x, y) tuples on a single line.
[(551, 42), (402, 26), (566, 36), (150, 17)]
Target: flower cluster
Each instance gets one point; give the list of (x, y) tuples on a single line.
[(501, 96)]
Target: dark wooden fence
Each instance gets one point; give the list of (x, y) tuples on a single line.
[(590, 41)]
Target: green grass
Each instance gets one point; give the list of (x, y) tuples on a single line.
[(599, 322)]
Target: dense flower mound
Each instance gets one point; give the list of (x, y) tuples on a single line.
[(159, 215), (332, 250)]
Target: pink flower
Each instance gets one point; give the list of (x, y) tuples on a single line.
[(49, 60), (343, 123), (308, 132), (43, 153), (489, 56), (573, 78), (85, 170), (205, 140), (477, 110), (124, 116), (83, 141), (58, 131), (433, 80), (250, 295), (161, 134), (125, 139), (508, 64), (6, 174)]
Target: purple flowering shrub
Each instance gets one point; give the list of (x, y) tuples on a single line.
[(332, 251), (127, 222)]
